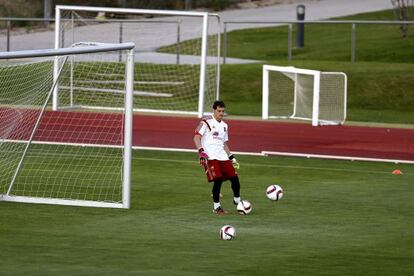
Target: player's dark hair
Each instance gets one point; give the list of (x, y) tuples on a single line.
[(218, 104)]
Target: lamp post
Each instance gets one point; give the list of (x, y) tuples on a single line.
[(47, 11), (300, 35), (188, 5), (123, 3)]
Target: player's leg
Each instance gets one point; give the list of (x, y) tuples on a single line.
[(216, 197), (230, 173), (216, 192), (216, 178), (235, 186)]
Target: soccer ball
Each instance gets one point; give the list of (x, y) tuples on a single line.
[(274, 192), (244, 207), (227, 232)]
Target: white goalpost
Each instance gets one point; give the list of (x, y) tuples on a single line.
[(294, 93), (177, 59), (66, 157)]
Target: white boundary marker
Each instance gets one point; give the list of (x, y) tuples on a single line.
[(262, 153), (289, 154), (68, 202), (337, 157), (135, 82), (139, 93)]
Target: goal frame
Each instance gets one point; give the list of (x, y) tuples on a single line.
[(315, 97), (127, 126), (203, 57)]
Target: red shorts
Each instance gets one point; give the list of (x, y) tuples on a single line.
[(216, 169)]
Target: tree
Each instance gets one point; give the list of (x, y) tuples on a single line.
[(403, 10)]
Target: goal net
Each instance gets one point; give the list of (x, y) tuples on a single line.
[(177, 55), (68, 157), (293, 93)]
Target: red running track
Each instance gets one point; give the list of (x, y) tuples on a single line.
[(245, 135), (258, 136)]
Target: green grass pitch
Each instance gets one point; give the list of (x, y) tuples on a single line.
[(336, 218)]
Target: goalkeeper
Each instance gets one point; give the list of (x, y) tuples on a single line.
[(210, 139)]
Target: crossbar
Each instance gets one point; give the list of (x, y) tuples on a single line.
[(130, 11), (67, 51)]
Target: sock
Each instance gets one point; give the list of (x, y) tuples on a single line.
[(235, 186), (236, 200), (216, 190), (216, 205)]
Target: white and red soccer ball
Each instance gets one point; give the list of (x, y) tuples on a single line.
[(274, 192), (227, 232), (244, 207)]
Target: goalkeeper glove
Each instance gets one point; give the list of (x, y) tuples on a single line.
[(233, 160), (203, 156)]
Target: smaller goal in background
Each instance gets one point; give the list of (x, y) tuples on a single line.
[(302, 94)]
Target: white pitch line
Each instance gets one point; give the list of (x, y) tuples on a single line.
[(267, 165), (192, 150), (135, 82), (123, 75), (137, 93), (110, 75), (337, 157), (263, 153), (267, 153), (195, 162)]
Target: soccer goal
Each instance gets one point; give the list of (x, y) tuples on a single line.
[(293, 93), (68, 157), (177, 68)]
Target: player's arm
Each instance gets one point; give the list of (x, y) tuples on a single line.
[(227, 149), (233, 160), (197, 142)]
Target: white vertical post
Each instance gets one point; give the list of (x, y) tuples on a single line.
[(71, 62), (129, 99), (218, 59), (71, 81), (290, 42), (316, 90), (345, 95), (225, 43), (295, 95), (56, 61), (265, 93), (203, 67)]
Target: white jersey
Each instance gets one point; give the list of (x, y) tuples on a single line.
[(213, 136)]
